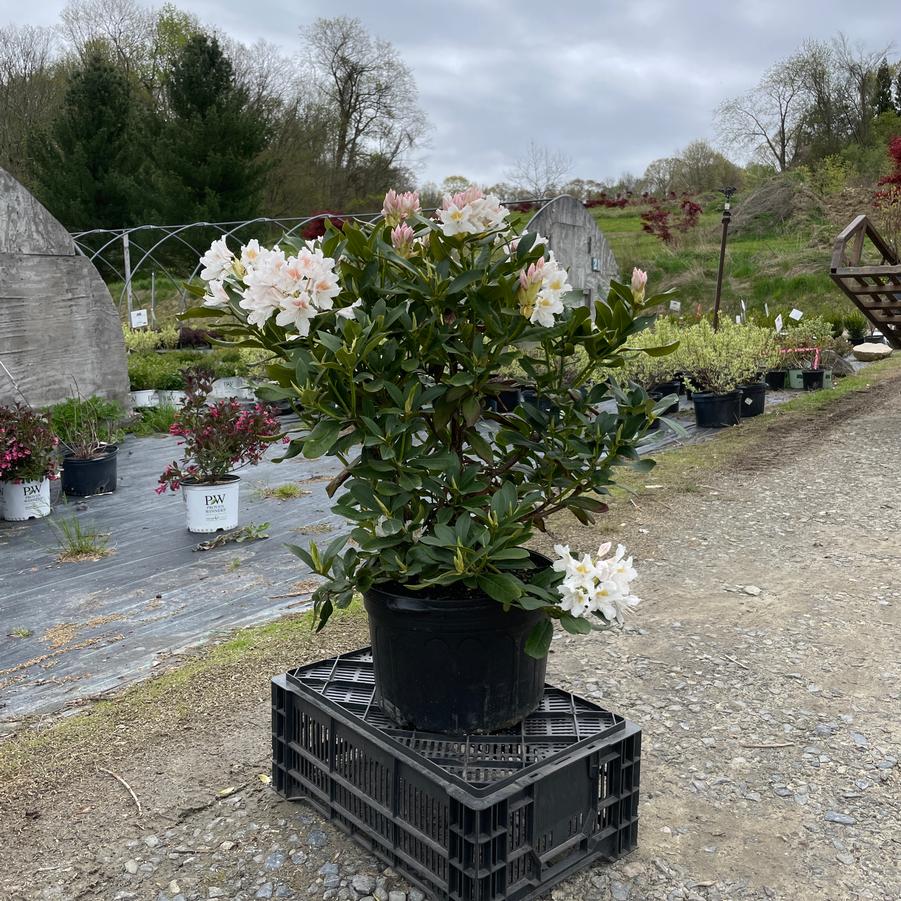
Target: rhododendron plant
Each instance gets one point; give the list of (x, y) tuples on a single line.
[(27, 445), (392, 337), (216, 439)]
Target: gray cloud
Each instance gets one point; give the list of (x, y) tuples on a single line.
[(613, 85)]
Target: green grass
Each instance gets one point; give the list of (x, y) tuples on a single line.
[(783, 269), (78, 543), (152, 421), (288, 491)]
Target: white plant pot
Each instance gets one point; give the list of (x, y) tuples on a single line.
[(172, 398), (145, 398), (235, 387), (26, 500), (212, 508)]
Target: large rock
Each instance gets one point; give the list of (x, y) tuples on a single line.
[(868, 353), (58, 325), (579, 245)]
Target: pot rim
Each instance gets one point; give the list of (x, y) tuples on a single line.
[(708, 395), (226, 480), (397, 591), (104, 452)]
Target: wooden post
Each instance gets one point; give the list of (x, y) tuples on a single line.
[(727, 216)]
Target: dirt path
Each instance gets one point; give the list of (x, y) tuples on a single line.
[(763, 667)]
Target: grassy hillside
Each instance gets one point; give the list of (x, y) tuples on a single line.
[(784, 268)]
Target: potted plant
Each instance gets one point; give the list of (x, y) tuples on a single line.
[(145, 369), (656, 374), (762, 353), (217, 439), (27, 463), (88, 431), (856, 325), (390, 335), (719, 361), (171, 387)]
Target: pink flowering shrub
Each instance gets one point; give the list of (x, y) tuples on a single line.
[(27, 445), (217, 439)]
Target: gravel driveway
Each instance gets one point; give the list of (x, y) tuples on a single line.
[(763, 666)]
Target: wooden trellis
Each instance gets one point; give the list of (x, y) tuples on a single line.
[(874, 289)]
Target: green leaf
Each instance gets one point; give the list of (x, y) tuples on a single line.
[(504, 589), (321, 439), (574, 625), (539, 641)]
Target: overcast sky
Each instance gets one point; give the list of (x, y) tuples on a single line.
[(613, 85)]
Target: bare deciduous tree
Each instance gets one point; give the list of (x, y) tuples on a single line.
[(371, 94), (769, 119), (123, 26), (30, 90), (540, 172)]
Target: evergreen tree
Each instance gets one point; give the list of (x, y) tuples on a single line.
[(882, 90), (207, 157), (87, 162)]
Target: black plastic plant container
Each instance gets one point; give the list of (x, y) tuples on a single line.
[(674, 386), (775, 379), (753, 399), (508, 399), (813, 379), (657, 394), (87, 477), (716, 411), (500, 817), (454, 663)]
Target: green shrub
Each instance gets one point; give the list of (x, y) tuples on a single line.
[(152, 420), (721, 361), (856, 324), (648, 370), (83, 425)]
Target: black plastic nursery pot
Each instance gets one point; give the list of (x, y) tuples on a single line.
[(454, 663), (813, 379), (674, 386), (87, 477), (716, 411), (658, 394), (775, 379), (508, 399), (753, 398)]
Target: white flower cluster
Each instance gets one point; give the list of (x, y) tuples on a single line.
[(471, 213), (541, 290), (294, 289), (596, 584)]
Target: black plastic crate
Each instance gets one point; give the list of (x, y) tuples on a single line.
[(466, 818)]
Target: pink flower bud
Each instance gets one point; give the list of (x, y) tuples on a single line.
[(402, 238), (639, 282), (398, 207)]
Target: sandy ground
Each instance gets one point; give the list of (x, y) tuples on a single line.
[(763, 667)]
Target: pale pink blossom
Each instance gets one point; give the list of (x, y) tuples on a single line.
[(399, 207), (402, 239), (639, 282)]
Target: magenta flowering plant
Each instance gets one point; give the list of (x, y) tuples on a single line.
[(217, 439), (27, 445)]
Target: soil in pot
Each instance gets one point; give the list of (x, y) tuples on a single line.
[(716, 411), (813, 379), (753, 398), (453, 663), (775, 379), (85, 477)]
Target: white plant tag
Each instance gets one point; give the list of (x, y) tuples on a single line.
[(138, 318), (779, 323), (766, 309), (738, 320), (795, 314), (675, 306)]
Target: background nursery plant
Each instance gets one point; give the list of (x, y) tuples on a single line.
[(392, 335)]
